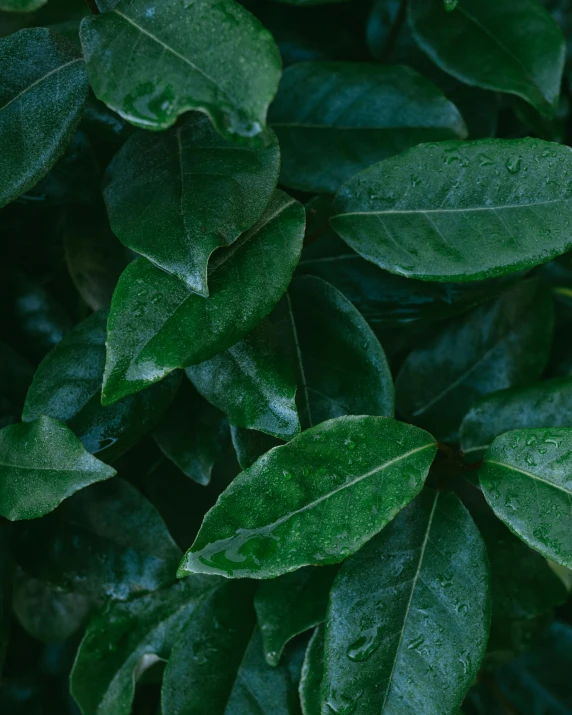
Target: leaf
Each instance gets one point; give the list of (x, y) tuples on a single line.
[(450, 4), (366, 113), (107, 541), (176, 197), (544, 404), (460, 211), (253, 383), (192, 434), (156, 324), (94, 257), (412, 606), (21, 5), (249, 445), (217, 659), (488, 45), (290, 508), (504, 343), (229, 69), (526, 481), (67, 386), (312, 671), (289, 605), (40, 106), (41, 464), (140, 632)]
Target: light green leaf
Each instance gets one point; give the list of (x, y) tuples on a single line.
[(178, 196), (67, 386), (40, 106), (156, 325), (141, 632), (487, 44), (459, 211), (290, 508), (366, 113), (192, 434), (291, 604), (312, 672), (408, 619), (152, 61), (526, 479), (504, 343), (544, 404), (253, 383), (41, 464)]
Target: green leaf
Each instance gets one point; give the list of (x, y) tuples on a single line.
[(312, 672), (21, 5), (40, 106), (140, 632), (291, 604), (178, 196), (249, 445), (409, 614), (107, 541), (488, 45), (192, 435), (366, 113), (526, 480), (544, 404), (450, 4), (253, 383), (67, 386), (41, 464), (290, 508), (210, 55), (504, 343), (459, 211), (156, 324)]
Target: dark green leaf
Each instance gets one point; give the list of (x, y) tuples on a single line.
[(312, 672), (544, 404), (366, 112), (40, 106), (458, 211), (126, 639), (250, 444), (156, 324), (504, 343), (176, 197), (408, 618), (290, 508), (15, 376), (208, 55), (106, 541), (291, 604), (253, 383), (192, 435), (67, 386), (487, 44), (526, 480), (41, 464), (21, 5)]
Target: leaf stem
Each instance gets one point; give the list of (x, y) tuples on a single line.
[(92, 5), (394, 32)]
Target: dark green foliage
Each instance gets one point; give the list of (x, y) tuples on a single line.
[(285, 357)]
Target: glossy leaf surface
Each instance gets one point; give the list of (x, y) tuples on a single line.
[(290, 508), (459, 211), (106, 541), (488, 45), (526, 480), (544, 404), (366, 113), (253, 383), (40, 106), (229, 69), (143, 631), (41, 464), (504, 343), (177, 196), (291, 604), (156, 324), (192, 435), (67, 386), (311, 678), (428, 626)]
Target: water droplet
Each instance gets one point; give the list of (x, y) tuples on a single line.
[(287, 475), (349, 444), (513, 165), (365, 646)]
